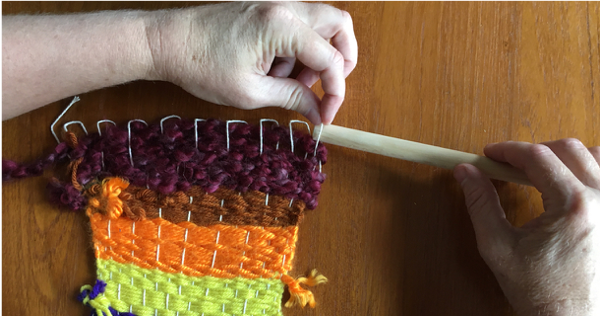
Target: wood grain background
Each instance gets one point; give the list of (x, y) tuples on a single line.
[(393, 237)]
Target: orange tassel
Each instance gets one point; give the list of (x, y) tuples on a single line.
[(107, 199), (299, 295)]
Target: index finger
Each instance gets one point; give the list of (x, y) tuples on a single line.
[(545, 170), (335, 24), (316, 53), (331, 23)]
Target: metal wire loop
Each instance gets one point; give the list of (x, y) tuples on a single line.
[(166, 118), (75, 122), (261, 133), (75, 100), (291, 132), (103, 121), (196, 129), (227, 129), (129, 137), (100, 134)]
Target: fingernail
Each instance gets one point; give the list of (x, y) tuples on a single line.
[(460, 173)]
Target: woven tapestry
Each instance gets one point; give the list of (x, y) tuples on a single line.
[(190, 217)]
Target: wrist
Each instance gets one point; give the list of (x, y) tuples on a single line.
[(86, 51), (140, 28), (167, 39)]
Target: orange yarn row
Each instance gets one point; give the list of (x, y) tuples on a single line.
[(218, 250)]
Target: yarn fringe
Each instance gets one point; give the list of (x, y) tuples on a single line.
[(299, 295), (105, 197), (93, 296)]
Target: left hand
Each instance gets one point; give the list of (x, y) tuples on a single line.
[(241, 54)]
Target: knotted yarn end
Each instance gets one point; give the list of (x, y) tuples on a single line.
[(299, 295)]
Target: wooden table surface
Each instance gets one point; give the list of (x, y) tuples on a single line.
[(393, 237)]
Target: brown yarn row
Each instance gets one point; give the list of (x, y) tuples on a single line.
[(224, 206)]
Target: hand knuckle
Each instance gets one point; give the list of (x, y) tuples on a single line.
[(571, 144), (580, 200), (539, 150), (346, 16), (322, 9), (273, 11)]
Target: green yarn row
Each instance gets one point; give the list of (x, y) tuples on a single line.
[(147, 292)]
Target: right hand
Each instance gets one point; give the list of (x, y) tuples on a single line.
[(241, 54), (551, 265)]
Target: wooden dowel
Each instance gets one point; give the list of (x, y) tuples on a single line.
[(416, 152)]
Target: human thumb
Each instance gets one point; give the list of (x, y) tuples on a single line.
[(488, 218)]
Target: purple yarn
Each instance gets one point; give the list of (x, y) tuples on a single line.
[(82, 295), (98, 289), (169, 161), (65, 194), (116, 313), (12, 170)]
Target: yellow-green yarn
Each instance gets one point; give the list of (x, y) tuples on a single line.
[(187, 296), (100, 303)]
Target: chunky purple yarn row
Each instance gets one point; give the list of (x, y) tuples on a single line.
[(169, 161)]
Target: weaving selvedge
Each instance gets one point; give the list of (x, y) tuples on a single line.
[(190, 218)]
